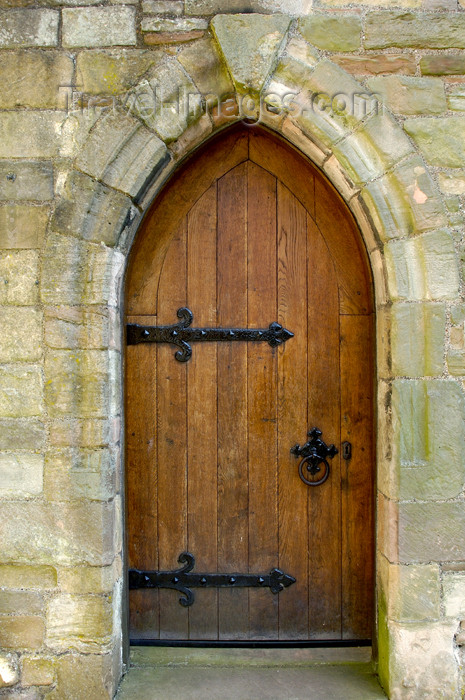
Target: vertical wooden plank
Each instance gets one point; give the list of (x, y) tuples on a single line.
[(141, 401), (232, 401), (357, 476), (324, 501), (292, 413), (262, 388), (172, 437), (202, 412)]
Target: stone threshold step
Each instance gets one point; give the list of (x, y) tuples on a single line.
[(142, 656)]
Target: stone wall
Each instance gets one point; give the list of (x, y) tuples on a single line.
[(83, 149)]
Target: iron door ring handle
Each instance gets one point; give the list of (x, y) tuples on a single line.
[(315, 452), (313, 468)]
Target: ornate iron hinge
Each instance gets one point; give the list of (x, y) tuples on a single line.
[(181, 335), (181, 580)]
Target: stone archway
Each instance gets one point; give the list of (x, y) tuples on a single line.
[(253, 67)]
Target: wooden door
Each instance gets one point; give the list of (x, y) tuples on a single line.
[(249, 233)]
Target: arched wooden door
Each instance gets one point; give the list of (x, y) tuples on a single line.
[(247, 234)]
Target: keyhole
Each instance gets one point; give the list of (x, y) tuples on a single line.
[(346, 450)]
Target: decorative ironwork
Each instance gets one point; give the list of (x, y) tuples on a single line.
[(315, 453), (181, 335), (182, 580)]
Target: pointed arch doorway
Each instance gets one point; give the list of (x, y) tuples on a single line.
[(247, 234)]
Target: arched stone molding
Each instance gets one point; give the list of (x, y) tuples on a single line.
[(264, 71)]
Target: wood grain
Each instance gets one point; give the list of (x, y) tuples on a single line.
[(172, 437), (357, 482), (324, 502), (292, 412), (262, 399), (202, 412), (232, 400)]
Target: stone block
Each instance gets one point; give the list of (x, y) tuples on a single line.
[(163, 7), (21, 632), (74, 129), (76, 383), (409, 30), (21, 475), (75, 432), (27, 577), (30, 134), (23, 225), (292, 132), (85, 675), (368, 152), (167, 101), (162, 38), (34, 79), (405, 201), (333, 104), (88, 579), (299, 49), (332, 32), (377, 64), (203, 63), (442, 65), (70, 534), (99, 26), (77, 272), (429, 431), (20, 391), (29, 27), (212, 7), (456, 99), (410, 95), (290, 74), (412, 592), (388, 530), (456, 362), (73, 473), (112, 71), (122, 153), (422, 662), (20, 334), (417, 339), (442, 140), (27, 433), (452, 183), (37, 670), (453, 586), (250, 43), (25, 694), (159, 24), (79, 623), (90, 210), (19, 277), (21, 603), (440, 4), (372, 3), (431, 532), (72, 327), (26, 180), (9, 669)]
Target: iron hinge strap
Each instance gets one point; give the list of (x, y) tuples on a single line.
[(181, 335), (182, 580)]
